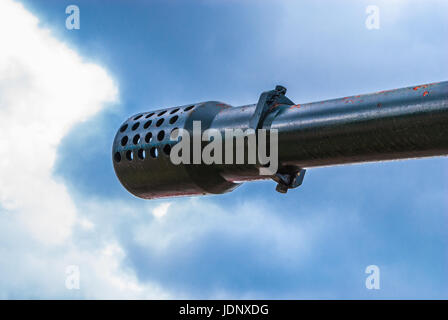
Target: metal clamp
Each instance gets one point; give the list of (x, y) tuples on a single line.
[(267, 101), (287, 177)]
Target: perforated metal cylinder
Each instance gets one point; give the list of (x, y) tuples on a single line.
[(141, 152)]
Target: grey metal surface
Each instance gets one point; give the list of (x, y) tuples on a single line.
[(395, 124), (141, 151)]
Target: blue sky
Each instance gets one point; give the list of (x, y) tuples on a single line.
[(314, 242)]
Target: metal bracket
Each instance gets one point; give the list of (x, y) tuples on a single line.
[(287, 177), (266, 103)]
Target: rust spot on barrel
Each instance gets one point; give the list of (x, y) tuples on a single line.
[(420, 87)]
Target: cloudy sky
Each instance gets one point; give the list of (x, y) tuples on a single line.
[(63, 94)]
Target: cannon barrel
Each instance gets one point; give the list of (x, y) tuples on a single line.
[(395, 124)]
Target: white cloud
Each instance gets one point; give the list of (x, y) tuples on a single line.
[(45, 89), (161, 210), (192, 219)]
